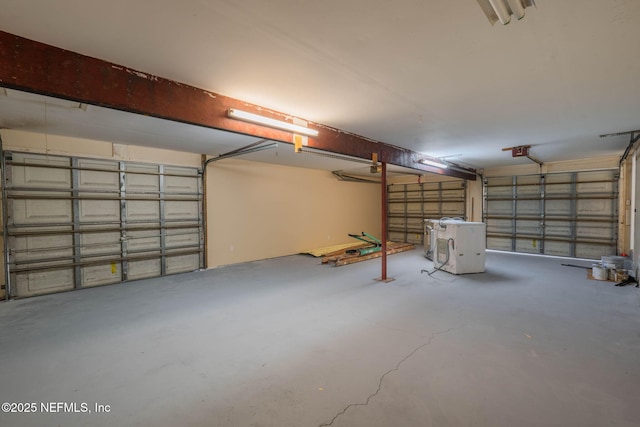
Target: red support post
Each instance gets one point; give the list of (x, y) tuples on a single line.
[(383, 181)]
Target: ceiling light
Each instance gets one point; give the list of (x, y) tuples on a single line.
[(502, 10), (278, 124), (435, 163)]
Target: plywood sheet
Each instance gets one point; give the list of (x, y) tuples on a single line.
[(324, 251)]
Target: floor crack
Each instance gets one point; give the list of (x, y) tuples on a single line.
[(372, 395)]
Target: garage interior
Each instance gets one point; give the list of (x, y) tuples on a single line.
[(155, 240)]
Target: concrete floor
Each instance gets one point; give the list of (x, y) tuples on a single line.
[(290, 342)]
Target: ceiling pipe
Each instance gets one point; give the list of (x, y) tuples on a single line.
[(354, 178), (251, 148), (634, 136), (533, 159)]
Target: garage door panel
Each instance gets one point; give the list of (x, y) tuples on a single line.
[(415, 238), (396, 224), (179, 184), (396, 236), (452, 194), (499, 243), (499, 192), (556, 248), (432, 211), (447, 185), (43, 282), (103, 274), (411, 187), (99, 211), (41, 177), (142, 210), (395, 194), (142, 178), (559, 229), (414, 207), (144, 269), (499, 226), (396, 208), (32, 248), (430, 186), (595, 187), (591, 251), (185, 237), (528, 207), (100, 243), (38, 211), (500, 207), (594, 231), (415, 224), (177, 180), (595, 208), (558, 207), (111, 227), (452, 209), (108, 181), (410, 204), (528, 246), (181, 210), (580, 211), (143, 240), (182, 263), (529, 227)]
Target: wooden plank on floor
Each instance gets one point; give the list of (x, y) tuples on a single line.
[(333, 250), (345, 259)]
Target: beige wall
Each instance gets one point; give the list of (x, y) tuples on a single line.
[(260, 210)]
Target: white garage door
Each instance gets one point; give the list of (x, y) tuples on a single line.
[(564, 214), (76, 223)]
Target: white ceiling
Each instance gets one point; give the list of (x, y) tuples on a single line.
[(429, 75)]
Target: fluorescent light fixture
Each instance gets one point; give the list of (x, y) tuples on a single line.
[(502, 10), (278, 124), (435, 163)]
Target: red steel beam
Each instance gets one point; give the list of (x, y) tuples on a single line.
[(47, 70)]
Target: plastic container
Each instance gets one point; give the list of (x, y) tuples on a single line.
[(613, 262), (599, 272)]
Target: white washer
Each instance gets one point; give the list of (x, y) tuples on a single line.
[(460, 246)]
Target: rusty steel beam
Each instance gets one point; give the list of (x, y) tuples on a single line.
[(47, 70)]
